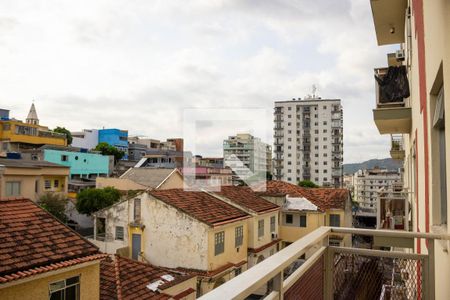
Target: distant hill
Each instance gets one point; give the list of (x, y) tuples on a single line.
[(386, 163)]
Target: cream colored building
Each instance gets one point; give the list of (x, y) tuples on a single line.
[(30, 179), (420, 29), (174, 228)]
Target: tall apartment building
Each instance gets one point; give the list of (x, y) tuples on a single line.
[(369, 183), (251, 151), (308, 141)]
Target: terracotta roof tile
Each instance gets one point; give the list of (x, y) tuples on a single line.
[(324, 198), (246, 197), (123, 278), (34, 240), (200, 205)]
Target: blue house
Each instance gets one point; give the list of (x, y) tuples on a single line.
[(115, 137)]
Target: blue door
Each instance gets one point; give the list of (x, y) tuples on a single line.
[(135, 246)]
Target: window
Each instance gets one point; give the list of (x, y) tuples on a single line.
[(237, 271), (47, 184), (56, 183), (68, 289), (289, 219), (335, 220), (36, 186), (272, 223), (260, 228), (119, 233), (238, 236), (219, 242), (64, 157), (12, 188), (302, 220), (137, 209)]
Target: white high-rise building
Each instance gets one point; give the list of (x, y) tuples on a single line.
[(308, 141)]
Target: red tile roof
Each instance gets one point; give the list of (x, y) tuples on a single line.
[(122, 278), (215, 272), (33, 241), (201, 206), (246, 197), (324, 198)]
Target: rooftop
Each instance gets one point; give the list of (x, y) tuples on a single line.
[(123, 278), (246, 197), (201, 206), (33, 241), (150, 177), (324, 198), (26, 163)]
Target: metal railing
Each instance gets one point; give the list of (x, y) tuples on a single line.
[(332, 272)]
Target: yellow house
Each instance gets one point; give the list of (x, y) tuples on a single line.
[(306, 209), (42, 259), (30, 179), (16, 135)]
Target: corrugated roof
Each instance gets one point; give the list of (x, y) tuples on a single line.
[(32, 239), (123, 278), (200, 205), (149, 177)]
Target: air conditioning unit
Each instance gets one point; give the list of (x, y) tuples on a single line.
[(274, 236), (400, 55)]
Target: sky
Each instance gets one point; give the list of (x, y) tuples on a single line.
[(139, 64)]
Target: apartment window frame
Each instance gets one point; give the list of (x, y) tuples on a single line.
[(303, 221), (57, 290), (238, 236), (335, 220), (289, 219), (56, 183), (219, 243), (260, 228), (64, 157), (13, 188), (47, 184), (137, 209), (119, 233), (273, 225)]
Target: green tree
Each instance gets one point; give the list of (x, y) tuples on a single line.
[(307, 184), (55, 204), (107, 149), (63, 130), (92, 200)]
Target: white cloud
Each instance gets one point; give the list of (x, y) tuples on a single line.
[(137, 64)]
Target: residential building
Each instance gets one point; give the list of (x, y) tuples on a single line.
[(303, 210), (368, 183), (210, 175), (123, 278), (16, 135), (144, 179), (43, 259), (413, 105), (251, 152), (84, 166), (139, 147), (214, 162), (190, 231), (29, 179), (262, 227), (86, 139), (115, 137), (161, 159), (308, 141)]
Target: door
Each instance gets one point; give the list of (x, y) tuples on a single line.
[(135, 246)]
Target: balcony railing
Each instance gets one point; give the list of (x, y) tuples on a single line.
[(397, 150), (334, 272)]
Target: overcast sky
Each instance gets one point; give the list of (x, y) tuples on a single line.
[(137, 65)]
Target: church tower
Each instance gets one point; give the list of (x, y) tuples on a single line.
[(32, 116)]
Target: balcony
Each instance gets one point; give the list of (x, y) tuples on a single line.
[(397, 150), (335, 272), (389, 20), (391, 115)]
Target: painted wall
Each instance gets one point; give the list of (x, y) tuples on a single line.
[(11, 135), (175, 181), (89, 141), (182, 286), (121, 184), (115, 137), (80, 163), (292, 232), (38, 289)]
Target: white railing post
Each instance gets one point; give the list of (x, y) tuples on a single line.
[(278, 285), (431, 280)]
